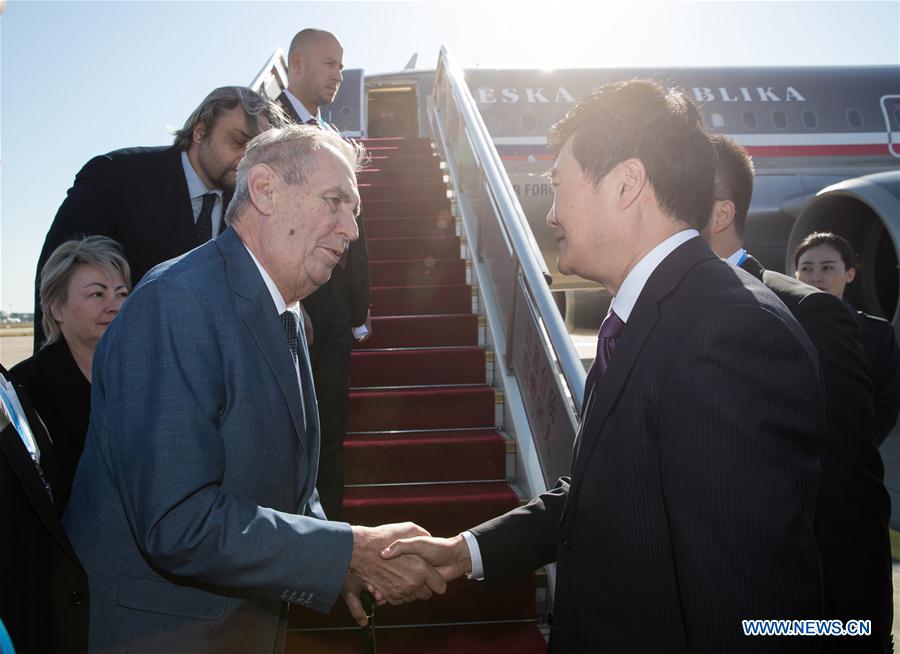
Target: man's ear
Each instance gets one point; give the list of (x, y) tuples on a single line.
[(631, 181), (199, 133), (722, 216), (261, 184)]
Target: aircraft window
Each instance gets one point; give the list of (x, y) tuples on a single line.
[(809, 118), (854, 118), (529, 124), (779, 119), (897, 116), (749, 119), (717, 120)]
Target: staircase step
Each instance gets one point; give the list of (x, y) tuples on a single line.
[(427, 175), (405, 248), (424, 456), (404, 191), (410, 227), (491, 638), (464, 600), (397, 141), (404, 161), (400, 208), (412, 300), (442, 509), (438, 407), (431, 272), (422, 331), (417, 367)]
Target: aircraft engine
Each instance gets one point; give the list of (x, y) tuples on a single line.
[(866, 211)]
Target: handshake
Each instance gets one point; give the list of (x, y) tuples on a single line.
[(399, 563)]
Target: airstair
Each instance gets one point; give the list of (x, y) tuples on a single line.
[(463, 403)]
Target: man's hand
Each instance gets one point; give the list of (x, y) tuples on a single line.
[(449, 556), (352, 586), (400, 579)]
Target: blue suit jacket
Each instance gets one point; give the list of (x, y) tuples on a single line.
[(194, 507)]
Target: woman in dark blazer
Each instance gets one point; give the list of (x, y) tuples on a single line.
[(828, 262), (83, 284)]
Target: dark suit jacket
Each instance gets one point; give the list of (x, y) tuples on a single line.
[(194, 507), (43, 588), (883, 358), (62, 396), (355, 278), (137, 196), (694, 477), (853, 508)]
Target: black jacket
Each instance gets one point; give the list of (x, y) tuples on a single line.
[(694, 479), (62, 397), (137, 196), (43, 588), (853, 508)]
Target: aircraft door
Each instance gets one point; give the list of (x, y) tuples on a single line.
[(347, 112), (890, 108)]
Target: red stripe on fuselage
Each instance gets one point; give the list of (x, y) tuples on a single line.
[(771, 151)]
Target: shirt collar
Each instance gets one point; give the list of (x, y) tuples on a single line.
[(631, 288), (737, 258), (280, 305), (196, 187), (301, 110)]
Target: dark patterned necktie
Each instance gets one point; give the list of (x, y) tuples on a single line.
[(606, 343), (203, 228), (289, 322)]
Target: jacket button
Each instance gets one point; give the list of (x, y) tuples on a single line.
[(566, 545), (75, 599)]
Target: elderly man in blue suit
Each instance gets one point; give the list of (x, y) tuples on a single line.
[(194, 509)]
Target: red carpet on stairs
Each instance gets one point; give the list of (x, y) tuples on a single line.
[(422, 444)]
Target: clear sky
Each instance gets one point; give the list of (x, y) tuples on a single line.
[(83, 78)]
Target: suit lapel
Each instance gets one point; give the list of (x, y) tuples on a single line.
[(178, 215), (255, 307), (288, 108), (640, 326)]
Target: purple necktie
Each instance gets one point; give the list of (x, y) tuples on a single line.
[(606, 343), (313, 122)]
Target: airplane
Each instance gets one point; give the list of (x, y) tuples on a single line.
[(825, 142)]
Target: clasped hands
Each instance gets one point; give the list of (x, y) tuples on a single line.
[(400, 563)]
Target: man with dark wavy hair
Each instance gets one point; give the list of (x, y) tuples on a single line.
[(695, 471), (160, 202)]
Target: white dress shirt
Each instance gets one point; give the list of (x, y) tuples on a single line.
[(303, 112), (737, 258), (197, 189), (623, 303)]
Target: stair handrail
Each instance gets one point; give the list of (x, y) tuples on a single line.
[(531, 270)]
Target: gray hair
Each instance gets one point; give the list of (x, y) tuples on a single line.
[(99, 251), (288, 151), (226, 98)]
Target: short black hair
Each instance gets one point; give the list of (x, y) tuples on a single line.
[(734, 178), (663, 129), (838, 242)]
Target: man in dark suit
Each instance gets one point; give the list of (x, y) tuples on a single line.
[(853, 509), (161, 202), (339, 310), (194, 508), (43, 588), (689, 506)]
